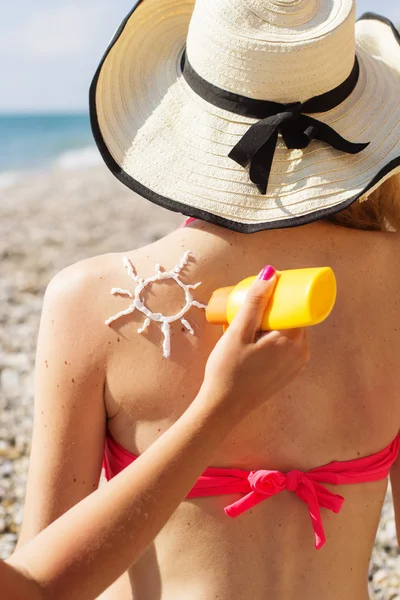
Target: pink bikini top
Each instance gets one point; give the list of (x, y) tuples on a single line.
[(256, 486)]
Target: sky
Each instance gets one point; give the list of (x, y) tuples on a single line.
[(50, 49)]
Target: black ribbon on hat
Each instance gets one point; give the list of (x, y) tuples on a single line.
[(257, 147)]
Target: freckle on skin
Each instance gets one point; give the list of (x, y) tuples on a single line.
[(118, 340), (65, 362)]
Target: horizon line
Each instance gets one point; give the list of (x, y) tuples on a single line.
[(42, 112)]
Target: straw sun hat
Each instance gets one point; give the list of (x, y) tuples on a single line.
[(251, 114)]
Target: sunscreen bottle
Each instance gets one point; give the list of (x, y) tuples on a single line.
[(302, 297)]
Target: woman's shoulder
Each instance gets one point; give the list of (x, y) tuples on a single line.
[(385, 247), (379, 248), (82, 282), (83, 273), (380, 256), (79, 295)]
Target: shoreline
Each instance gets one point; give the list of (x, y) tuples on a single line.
[(70, 159)]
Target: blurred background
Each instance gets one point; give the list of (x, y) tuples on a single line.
[(59, 204)]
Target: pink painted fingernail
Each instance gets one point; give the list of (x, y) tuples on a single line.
[(267, 273)]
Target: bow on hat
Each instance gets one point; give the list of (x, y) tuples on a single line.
[(292, 121), (257, 146)]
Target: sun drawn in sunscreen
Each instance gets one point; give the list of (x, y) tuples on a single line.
[(138, 303)]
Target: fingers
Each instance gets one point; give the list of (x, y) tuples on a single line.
[(249, 318), (294, 339)]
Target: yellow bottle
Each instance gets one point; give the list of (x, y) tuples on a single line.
[(302, 297)]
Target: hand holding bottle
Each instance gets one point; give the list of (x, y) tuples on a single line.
[(246, 366)]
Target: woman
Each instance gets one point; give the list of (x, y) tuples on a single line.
[(275, 119), (61, 564)]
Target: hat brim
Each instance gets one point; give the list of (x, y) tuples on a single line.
[(169, 145)]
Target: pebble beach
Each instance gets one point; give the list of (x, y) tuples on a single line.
[(48, 220)]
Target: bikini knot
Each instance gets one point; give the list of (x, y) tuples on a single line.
[(267, 483), (293, 478)]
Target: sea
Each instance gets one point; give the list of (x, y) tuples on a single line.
[(41, 141)]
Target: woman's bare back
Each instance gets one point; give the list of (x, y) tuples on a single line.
[(343, 406)]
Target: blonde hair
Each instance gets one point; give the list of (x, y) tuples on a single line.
[(379, 212)]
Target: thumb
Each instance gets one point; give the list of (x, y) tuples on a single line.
[(249, 318)]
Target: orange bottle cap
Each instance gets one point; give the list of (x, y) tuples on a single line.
[(216, 309)]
